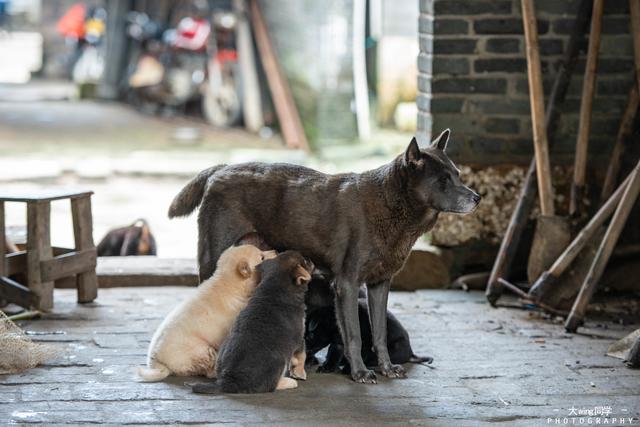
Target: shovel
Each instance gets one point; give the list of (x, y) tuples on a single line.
[(549, 278), (552, 233)]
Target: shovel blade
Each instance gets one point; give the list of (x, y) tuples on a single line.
[(552, 236)]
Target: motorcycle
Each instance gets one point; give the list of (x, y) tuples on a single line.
[(85, 30), (171, 67)]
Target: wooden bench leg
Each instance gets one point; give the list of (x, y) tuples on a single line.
[(83, 235), (38, 250)]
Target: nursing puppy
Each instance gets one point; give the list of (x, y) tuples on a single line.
[(321, 330), (360, 227), (188, 340), (268, 336)]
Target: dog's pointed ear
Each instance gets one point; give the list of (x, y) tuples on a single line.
[(301, 275), (412, 153), (244, 269), (441, 141)]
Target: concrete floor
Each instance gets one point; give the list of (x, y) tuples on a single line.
[(503, 366)]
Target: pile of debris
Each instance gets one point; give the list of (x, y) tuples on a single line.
[(17, 352), (500, 188)]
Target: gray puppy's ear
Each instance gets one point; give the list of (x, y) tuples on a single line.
[(301, 275), (412, 153), (441, 141)]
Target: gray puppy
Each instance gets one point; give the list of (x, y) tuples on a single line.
[(358, 227), (268, 335)]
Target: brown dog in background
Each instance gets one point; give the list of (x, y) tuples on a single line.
[(132, 240)]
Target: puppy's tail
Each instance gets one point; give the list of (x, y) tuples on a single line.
[(206, 388), (190, 197), (420, 359), (152, 374)]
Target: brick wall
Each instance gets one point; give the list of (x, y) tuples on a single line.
[(472, 77)]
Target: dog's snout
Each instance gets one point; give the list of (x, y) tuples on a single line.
[(476, 198)]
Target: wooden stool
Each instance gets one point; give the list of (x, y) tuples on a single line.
[(43, 264)]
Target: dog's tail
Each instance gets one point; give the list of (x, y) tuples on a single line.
[(206, 388), (152, 374), (190, 197), (420, 359)]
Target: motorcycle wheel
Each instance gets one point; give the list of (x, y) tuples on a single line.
[(221, 102)]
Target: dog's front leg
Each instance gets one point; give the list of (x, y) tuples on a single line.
[(377, 295), (349, 323)]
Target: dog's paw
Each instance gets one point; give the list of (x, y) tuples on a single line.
[(365, 376), (327, 369), (393, 371), (299, 373)]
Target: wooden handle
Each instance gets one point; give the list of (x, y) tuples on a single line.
[(543, 167), (634, 9), (626, 126), (586, 106), (511, 240)]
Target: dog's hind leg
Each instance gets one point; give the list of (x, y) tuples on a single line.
[(211, 368), (286, 383), (377, 295), (349, 323)]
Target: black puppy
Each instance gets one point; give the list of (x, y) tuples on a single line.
[(268, 335), (321, 330), (134, 239), (359, 227)]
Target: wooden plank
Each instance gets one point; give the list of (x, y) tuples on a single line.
[(68, 264), (288, 116), (16, 263), (146, 271), (586, 107), (16, 293), (38, 250), (44, 196), (83, 235)]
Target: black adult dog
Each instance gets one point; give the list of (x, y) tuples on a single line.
[(359, 227), (321, 330)]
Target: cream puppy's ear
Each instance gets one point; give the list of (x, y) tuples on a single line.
[(244, 269)]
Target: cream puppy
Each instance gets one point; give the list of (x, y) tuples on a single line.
[(188, 340)]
